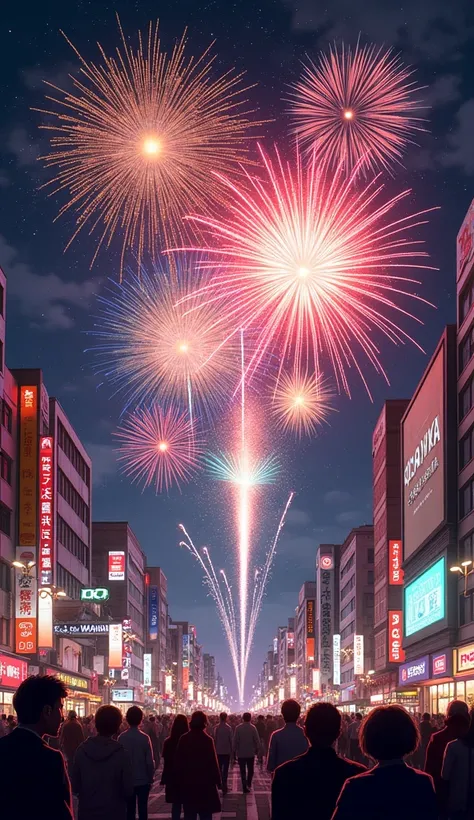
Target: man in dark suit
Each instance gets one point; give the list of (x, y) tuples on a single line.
[(34, 775), (309, 785), (457, 724)]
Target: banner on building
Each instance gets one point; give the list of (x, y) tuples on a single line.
[(168, 684), (190, 690), (185, 678), (153, 613), (336, 660), (115, 646), (316, 682), (25, 602), (28, 472), (185, 650), (395, 636), (395, 552), (116, 565), (147, 669), (358, 654), (46, 517), (325, 605), (45, 619), (292, 686)]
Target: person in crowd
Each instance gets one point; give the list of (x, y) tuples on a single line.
[(32, 773), (246, 747), (458, 772), (101, 774), (70, 737), (456, 725), (169, 777), (3, 725), (289, 742), (223, 741), (260, 727), (309, 785), (353, 735), (152, 733), (391, 790), (270, 727), (426, 731), (138, 746), (198, 775)]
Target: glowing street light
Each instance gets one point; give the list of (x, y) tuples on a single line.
[(464, 570)]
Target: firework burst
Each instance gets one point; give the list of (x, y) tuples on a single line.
[(148, 345), (158, 447), (313, 263), (135, 141), (239, 470), (357, 105), (302, 403)]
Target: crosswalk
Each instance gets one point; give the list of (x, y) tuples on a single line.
[(235, 805)]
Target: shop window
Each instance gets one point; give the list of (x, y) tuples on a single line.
[(5, 577), (466, 299), (6, 467), (466, 448), (466, 499)]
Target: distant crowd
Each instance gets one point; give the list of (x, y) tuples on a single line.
[(327, 766)]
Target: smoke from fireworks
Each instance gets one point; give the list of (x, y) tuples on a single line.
[(313, 263), (301, 403), (135, 142), (158, 446), (357, 104)]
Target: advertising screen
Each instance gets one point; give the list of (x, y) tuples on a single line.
[(153, 613), (423, 459), (116, 565), (425, 598)]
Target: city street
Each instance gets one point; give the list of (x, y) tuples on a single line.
[(236, 806)]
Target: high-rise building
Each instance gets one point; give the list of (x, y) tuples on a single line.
[(209, 673), (156, 590), (305, 640), (326, 670), (183, 642)]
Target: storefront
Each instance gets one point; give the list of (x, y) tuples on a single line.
[(409, 698), (410, 674), (452, 678), (13, 671), (81, 699)]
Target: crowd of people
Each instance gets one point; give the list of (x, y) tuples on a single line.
[(386, 766)]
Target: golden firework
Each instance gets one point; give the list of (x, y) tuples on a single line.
[(302, 403)]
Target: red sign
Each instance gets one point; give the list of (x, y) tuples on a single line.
[(46, 518), (185, 678), (12, 671), (395, 636), (395, 571), (440, 665), (116, 566), (28, 473)]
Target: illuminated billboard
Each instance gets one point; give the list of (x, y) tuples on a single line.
[(465, 243), (46, 518), (116, 565), (423, 459), (425, 598), (28, 473)]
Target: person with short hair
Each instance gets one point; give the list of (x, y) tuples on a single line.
[(261, 729), (101, 775), (391, 790), (34, 775), (289, 742), (458, 773), (198, 775), (70, 737), (246, 746), (223, 741), (456, 725), (169, 778), (316, 777), (138, 746)]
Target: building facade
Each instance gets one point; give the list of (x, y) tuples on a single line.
[(305, 640), (156, 589)]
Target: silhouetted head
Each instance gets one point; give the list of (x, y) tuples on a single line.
[(134, 716), (108, 720), (246, 717), (388, 733), (180, 727), (38, 702), (198, 720), (457, 707), (290, 710), (223, 717), (322, 724)]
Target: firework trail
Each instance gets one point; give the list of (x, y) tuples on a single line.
[(158, 446), (302, 403), (134, 143), (313, 264), (357, 105)]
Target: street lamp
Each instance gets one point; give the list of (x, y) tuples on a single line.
[(52, 591), (464, 570), (25, 567)]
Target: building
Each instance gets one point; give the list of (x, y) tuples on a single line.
[(356, 615), (430, 482), (286, 661), (156, 588), (388, 553), (209, 674), (305, 620), (183, 646), (118, 564), (326, 669)]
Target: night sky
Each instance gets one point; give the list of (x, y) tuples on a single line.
[(52, 296)]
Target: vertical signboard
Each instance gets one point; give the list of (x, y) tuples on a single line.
[(190, 690), (153, 613), (147, 669), (168, 684), (316, 682), (116, 565), (25, 604), (358, 654), (395, 572), (185, 650), (465, 243), (336, 660), (395, 636), (325, 586), (28, 473), (46, 517), (310, 631), (45, 620), (115, 646)]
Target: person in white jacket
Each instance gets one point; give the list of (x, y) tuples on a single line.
[(246, 747)]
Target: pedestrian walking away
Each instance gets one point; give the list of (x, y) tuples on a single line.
[(34, 778), (70, 737), (101, 775), (261, 729), (223, 741), (456, 725), (246, 747), (458, 772), (138, 746), (198, 771), (169, 777), (289, 742)]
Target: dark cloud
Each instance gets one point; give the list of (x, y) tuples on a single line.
[(460, 151), (22, 146), (298, 518), (337, 497)]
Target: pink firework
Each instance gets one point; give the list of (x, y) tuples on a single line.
[(158, 447), (313, 263), (357, 105)]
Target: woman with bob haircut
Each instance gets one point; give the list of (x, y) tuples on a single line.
[(391, 790), (197, 769)]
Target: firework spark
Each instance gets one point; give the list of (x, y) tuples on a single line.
[(158, 447), (135, 141), (147, 346), (357, 105), (236, 470), (302, 403), (308, 260)]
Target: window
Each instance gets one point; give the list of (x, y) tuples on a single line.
[(370, 576), (5, 577), (465, 299), (347, 676), (5, 631), (466, 448), (466, 610), (465, 548), (466, 349), (347, 588), (348, 565), (136, 615), (368, 600), (69, 539), (2, 300), (348, 630), (348, 609), (370, 556), (7, 416), (466, 499), (75, 501), (1, 357), (465, 400), (135, 593), (68, 583), (5, 519), (6, 467), (70, 450)]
